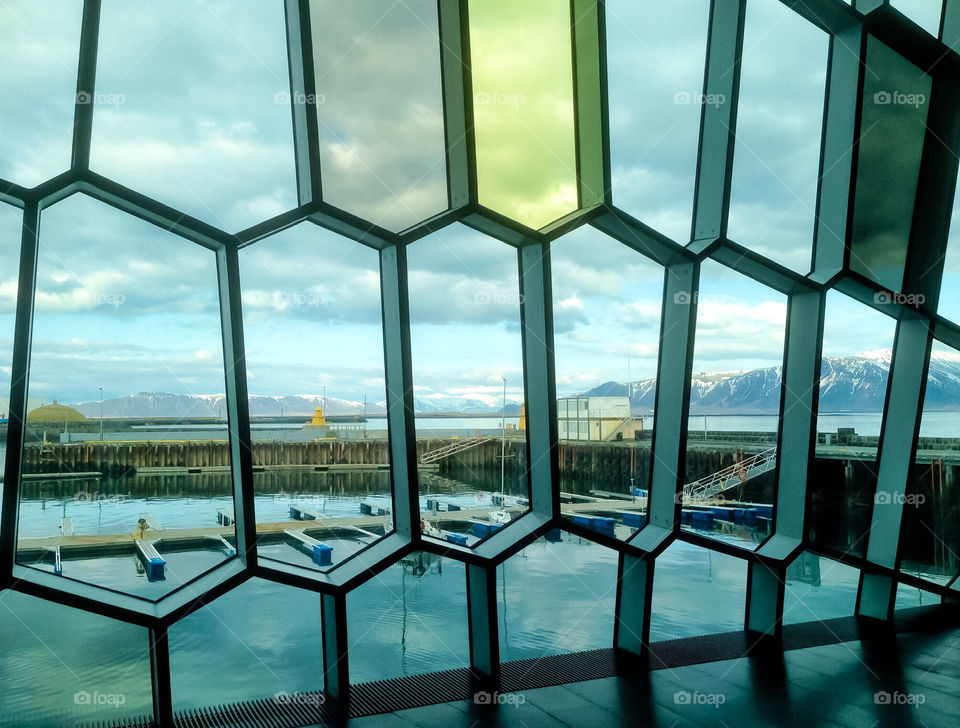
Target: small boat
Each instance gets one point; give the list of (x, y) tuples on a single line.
[(428, 529)]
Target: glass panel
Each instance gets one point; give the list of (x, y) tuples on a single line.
[(10, 231), (523, 108), (909, 597), (818, 589), (466, 352), (311, 302), (376, 63), (606, 321), (948, 305), (168, 128), (409, 620), (892, 130), (696, 591), (857, 345), (930, 540), (558, 569), (127, 458), (62, 666), (779, 122), (655, 60), (925, 13), (39, 47), (272, 631), (734, 408)]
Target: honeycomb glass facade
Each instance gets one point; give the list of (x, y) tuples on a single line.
[(270, 256)]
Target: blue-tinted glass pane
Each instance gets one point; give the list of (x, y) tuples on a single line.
[(655, 60), (818, 589), (696, 591), (171, 121), (558, 569), (39, 47), (779, 120), (408, 620), (62, 666), (260, 640)]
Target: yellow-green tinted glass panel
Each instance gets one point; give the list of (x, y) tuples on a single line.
[(522, 69)]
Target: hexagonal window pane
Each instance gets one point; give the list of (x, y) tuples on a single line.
[(930, 538), (314, 353), (282, 658), (734, 408), (892, 130), (468, 384), (696, 591), (126, 464), (40, 45), (911, 597), (409, 619), (948, 305), (655, 61), (857, 344), (10, 231), (559, 568), (607, 300), (925, 13), (523, 108), (818, 588), (374, 63), (164, 124), (779, 120), (64, 666)]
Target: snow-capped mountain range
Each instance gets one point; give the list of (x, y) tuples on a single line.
[(847, 384)]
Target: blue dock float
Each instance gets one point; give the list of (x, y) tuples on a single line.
[(600, 524), (456, 538), (632, 518), (750, 517), (739, 516), (482, 529), (152, 561), (640, 493), (686, 517), (321, 553), (702, 520)]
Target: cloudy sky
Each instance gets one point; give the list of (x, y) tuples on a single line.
[(193, 108)]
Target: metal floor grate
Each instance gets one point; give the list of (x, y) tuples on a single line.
[(385, 696)]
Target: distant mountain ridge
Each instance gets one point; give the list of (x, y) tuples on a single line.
[(165, 404), (847, 384)]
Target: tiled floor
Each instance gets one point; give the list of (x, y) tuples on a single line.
[(912, 679)]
